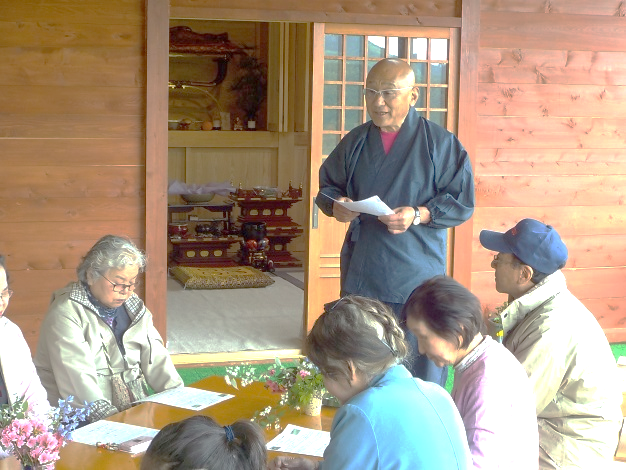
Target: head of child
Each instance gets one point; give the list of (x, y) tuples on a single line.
[(353, 341), (199, 443)]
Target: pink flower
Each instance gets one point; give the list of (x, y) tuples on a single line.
[(304, 373)]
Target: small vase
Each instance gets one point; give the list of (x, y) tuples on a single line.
[(49, 466), (313, 407)]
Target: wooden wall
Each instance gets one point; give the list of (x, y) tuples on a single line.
[(551, 140), (72, 152)]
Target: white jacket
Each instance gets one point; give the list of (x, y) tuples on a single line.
[(573, 373), (18, 370)]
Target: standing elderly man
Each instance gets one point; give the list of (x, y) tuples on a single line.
[(560, 344), (417, 168)]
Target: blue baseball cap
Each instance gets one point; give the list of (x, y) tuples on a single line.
[(536, 244)]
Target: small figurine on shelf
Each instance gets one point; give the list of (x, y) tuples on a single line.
[(237, 124), (254, 247)]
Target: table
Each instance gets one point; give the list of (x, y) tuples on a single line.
[(225, 209), (202, 252), (247, 400)]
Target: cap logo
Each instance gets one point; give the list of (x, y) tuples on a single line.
[(514, 231)]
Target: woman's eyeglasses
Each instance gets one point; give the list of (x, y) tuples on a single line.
[(123, 287), (6, 294)]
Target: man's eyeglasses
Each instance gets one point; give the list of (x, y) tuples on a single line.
[(6, 294), (123, 287), (388, 94)]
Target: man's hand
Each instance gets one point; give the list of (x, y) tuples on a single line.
[(399, 221), (341, 213)]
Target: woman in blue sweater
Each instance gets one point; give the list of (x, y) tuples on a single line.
[(388, 419)]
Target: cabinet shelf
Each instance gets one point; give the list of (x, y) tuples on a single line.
[(256, 139)]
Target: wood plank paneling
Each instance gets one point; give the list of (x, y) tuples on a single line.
[(84, 12), (444, 13), (556, 100), (495, 191), (44, 232), (70, 125), (511, 162), (523, 65), (585, 251), (565, 133), (72, 100), (37, 33), (577, 7), (43, 281), (65, 66), (42, 209), (567, 220), (33, 254), (55, 182), (562, 31), (72, 152)]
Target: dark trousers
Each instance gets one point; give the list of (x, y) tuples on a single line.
[(419, 365)]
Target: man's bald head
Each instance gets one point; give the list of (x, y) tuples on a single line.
[(395, 70), (395, 81)]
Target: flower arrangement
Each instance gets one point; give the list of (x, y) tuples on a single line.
[(298, 384), (36, 440)]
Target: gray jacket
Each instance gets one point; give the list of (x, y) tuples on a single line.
[(573, 374), (77, 352)]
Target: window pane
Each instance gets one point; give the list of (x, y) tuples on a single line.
[(329, 142), (332, 95), (354, 117), (354, 71), (439, 117), (354, 46), (439, 73), (438, 49), (394, 47), (419, 68), (332, 119), (421, 99), (419, 48), (332, 70), (333, 45), (376, 46), (438, 97), (354, 95)]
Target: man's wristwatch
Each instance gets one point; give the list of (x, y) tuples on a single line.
[(416, 220)]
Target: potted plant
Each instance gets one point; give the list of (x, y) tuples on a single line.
[(251, 87), (300, 384)]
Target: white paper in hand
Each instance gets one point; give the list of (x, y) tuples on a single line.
[(372, 205)]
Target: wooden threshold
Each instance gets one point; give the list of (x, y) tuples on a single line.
[(223, 358)]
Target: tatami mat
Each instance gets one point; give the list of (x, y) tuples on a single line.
[(225, 320)]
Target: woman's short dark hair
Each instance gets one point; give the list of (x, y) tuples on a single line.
[(448, 309), (356, 329), (200, 443)]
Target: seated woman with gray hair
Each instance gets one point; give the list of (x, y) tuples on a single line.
[(97, 341), (388, 418)]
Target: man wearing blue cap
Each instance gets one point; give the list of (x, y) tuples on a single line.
[(560, 344)]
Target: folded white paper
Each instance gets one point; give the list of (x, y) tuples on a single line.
[(372, 205)]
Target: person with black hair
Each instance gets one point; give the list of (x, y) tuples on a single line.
[(561, 346), (388, 418), (491, 389), (200, 442)]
